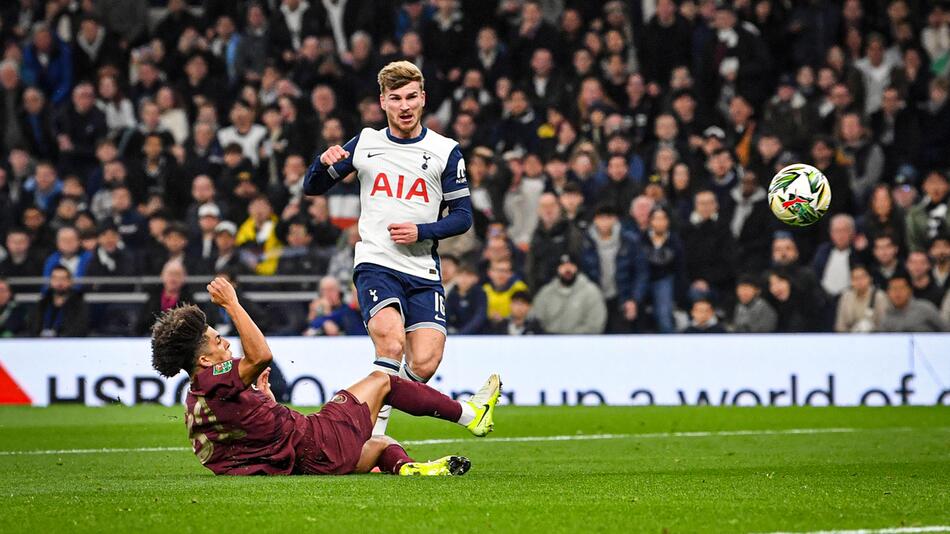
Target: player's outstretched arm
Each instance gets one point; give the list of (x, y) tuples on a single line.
[(257, 355)]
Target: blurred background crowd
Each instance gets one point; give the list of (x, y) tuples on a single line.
[(618, 155)]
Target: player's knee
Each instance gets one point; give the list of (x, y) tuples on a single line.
[(382, 441), (382, 381), (426, 368), (391, 347)]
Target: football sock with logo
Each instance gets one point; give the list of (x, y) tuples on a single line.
[(390, 367), (392, 458), (421, 400)]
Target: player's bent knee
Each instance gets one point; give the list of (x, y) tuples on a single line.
[(426, 368), (382, 441), (391, 348)]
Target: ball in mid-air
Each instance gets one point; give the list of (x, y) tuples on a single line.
[(799, 195)]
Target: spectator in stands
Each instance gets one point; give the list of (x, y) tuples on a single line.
[(923, 286), (834, 259), (747, 213), (502, 284), (21, 259), (42, 240), (612, 258), (257, 236), (824, 158), (663, 251), (12, 315), (341, 262), (940, 255), (703, 319), (43, 189), (48, 64), (709, 248), (36, 120), (173, 292), (227, 257), (61, 312), (552, 237), (79, 126), (521, 322), (109, 259), (908, 314), (571, 303), (932, 215), (325, 233), (11, 94), (640, 210), (299, 256), (935, 123), (862, 306), (330, 316), (201, 246), (175, 243), (864, 157), (620, 189), (68, 254), (883, 216), (466, 306), (753, 314), (896, 128), (243, 131), (886, 260), (789, 302), (785, 257)]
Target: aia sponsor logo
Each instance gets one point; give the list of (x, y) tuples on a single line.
[(382, 185)]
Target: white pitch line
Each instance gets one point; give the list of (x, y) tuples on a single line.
[(896, 530), (516, 439)]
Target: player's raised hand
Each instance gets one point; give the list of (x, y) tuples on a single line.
[(405, 233), (263, 384), (334, 154), (222, 292)]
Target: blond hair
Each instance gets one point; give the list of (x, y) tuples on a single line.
[(398, 74)]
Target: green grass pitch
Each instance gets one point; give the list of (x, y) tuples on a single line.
[(692, 469)]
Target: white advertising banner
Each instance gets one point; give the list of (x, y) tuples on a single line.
[(744, 370)]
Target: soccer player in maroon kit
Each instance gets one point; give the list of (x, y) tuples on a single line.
[(238, 428)]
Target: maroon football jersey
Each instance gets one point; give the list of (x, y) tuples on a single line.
[(238, 430)]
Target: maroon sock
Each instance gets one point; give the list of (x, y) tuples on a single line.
[(392, 459), (418, 399)]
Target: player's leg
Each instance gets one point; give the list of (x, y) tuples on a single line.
[(382, 303), (414, 398), (425, 330), (390, 457), (424, 349), (389, 338)]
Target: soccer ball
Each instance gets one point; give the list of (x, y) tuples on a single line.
[(799, 195)]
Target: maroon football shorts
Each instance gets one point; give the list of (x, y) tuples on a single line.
[(336, 437)]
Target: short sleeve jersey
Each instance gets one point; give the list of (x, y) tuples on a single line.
[(402, 180), (236, 429)]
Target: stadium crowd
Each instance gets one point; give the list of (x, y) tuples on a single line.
[(618, 155)]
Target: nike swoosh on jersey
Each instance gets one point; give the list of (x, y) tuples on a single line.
[(368, 155)]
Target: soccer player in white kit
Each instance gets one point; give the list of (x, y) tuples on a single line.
[(408, 175)]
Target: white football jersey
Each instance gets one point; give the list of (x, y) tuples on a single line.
[(402, 180)]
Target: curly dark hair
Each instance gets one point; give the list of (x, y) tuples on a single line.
[(177, 338)]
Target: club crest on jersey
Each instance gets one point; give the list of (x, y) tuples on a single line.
[(425, 161), (372, 293), (418, 188)]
